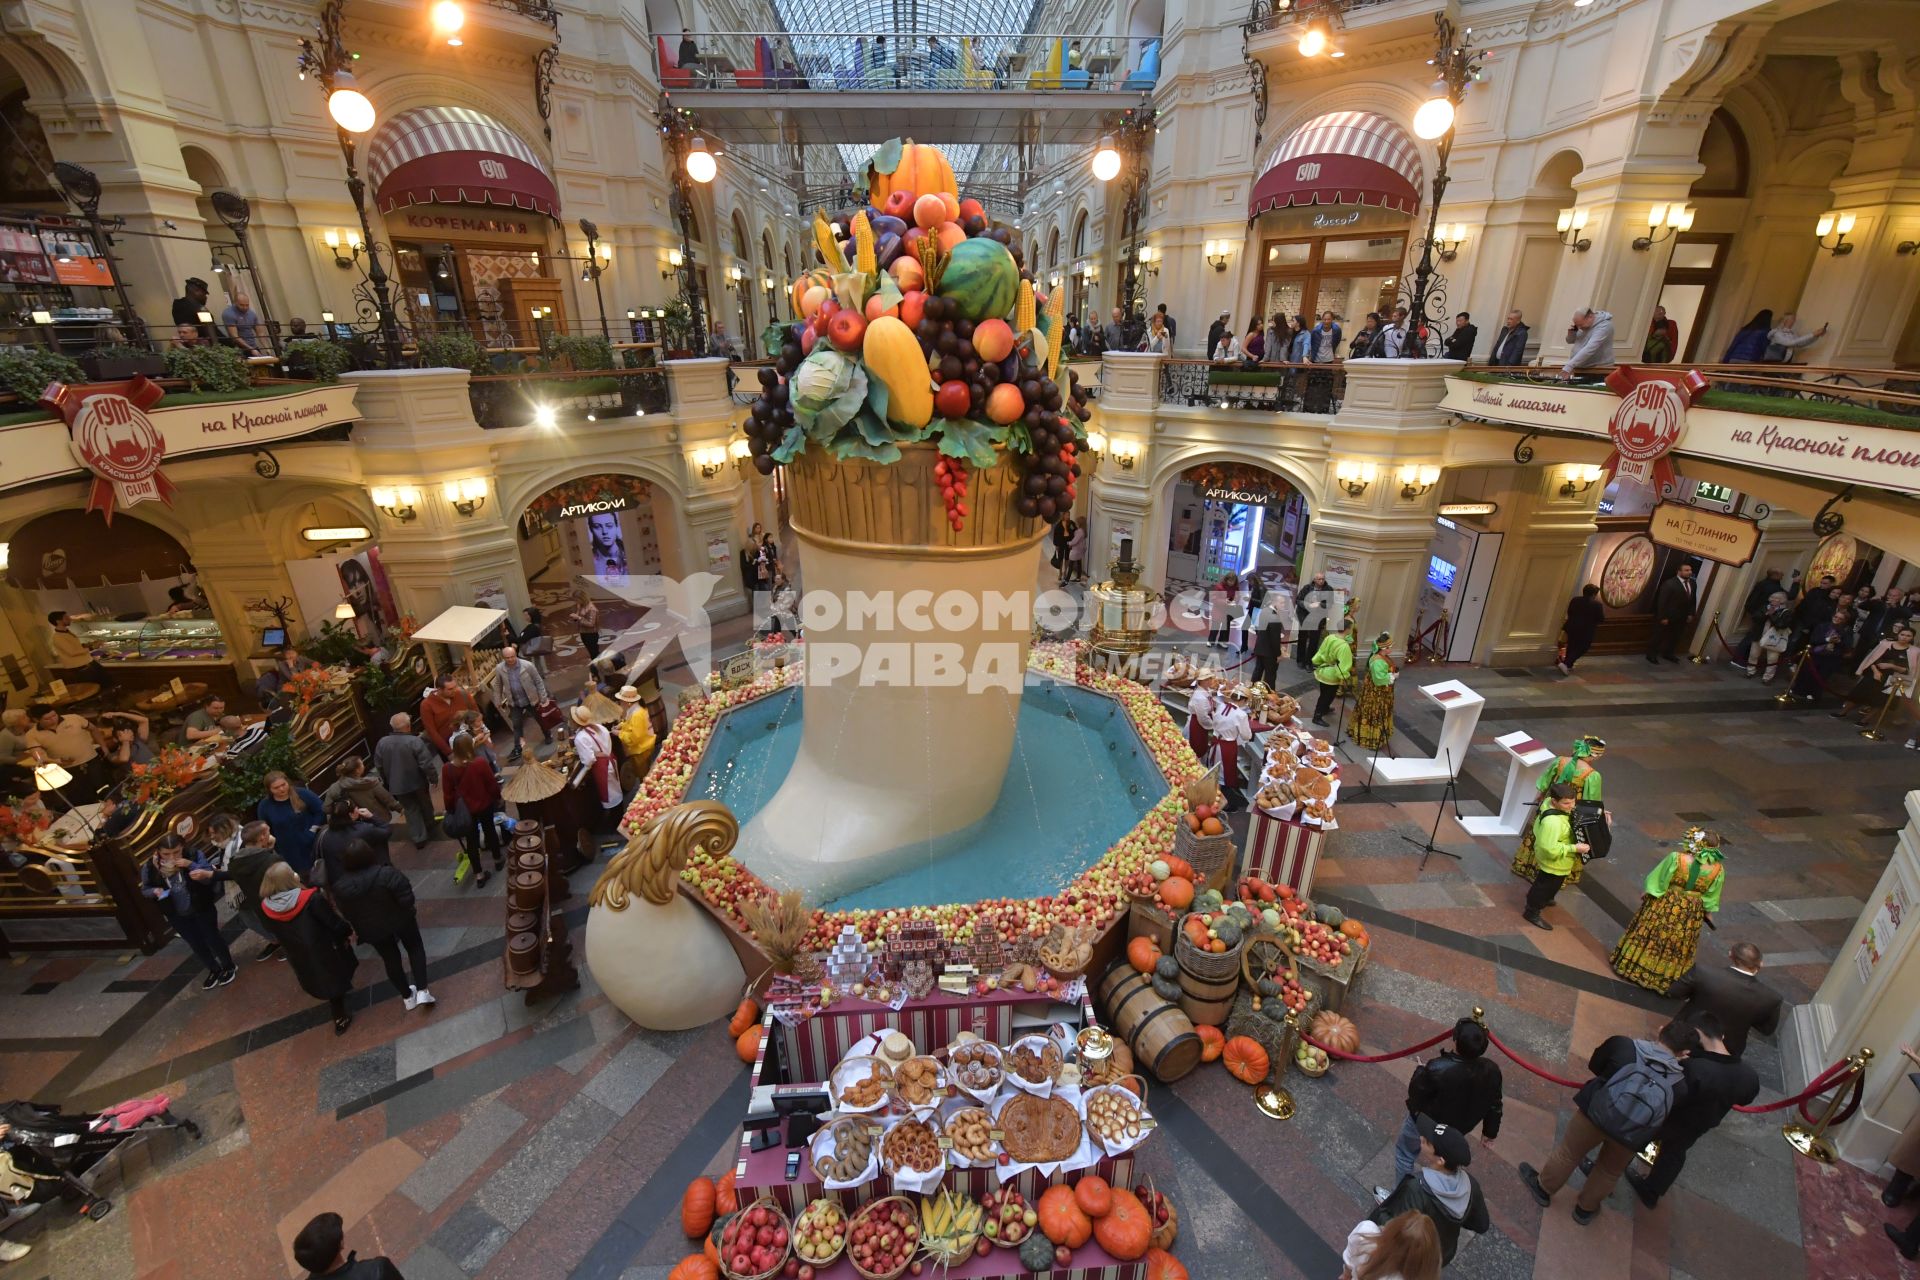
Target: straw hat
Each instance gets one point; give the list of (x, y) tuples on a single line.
[(532, 781), (627, 694), (581, 716), (600, 707)]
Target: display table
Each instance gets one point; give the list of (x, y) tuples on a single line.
[(1461, 707), (1526, 758), (1282, 851), (77, 691), (164, 700), (812, 1047)]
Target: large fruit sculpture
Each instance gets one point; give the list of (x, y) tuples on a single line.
[(922, 324)]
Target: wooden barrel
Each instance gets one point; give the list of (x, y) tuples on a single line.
[(1207, 1001), (1158, 1032)]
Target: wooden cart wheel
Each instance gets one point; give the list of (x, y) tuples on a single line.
[(1262, 956)]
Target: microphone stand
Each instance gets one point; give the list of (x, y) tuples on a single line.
[(1428, 849)]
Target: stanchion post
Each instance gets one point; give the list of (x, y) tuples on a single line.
[(1813, 1142), (1785, 696), (1700, 659), (1872, 732)]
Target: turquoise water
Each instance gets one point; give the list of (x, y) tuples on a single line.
[(1078, 781)]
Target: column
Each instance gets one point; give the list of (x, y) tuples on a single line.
[(1868, 295), (1120, 502), (1545, 540), (1612, 275), (704, 415)]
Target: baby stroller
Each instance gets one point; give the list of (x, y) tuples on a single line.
[(48, 1154)]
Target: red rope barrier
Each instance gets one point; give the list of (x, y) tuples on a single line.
[(1821, 1083), (1721, 637), (1377, 1057), (1544, 1074)]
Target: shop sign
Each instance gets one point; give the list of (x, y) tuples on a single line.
[(424, 221), (1468, 508), (617, 502), (1336, 220), (1729, 540), (123, 438), (1253, 497), (1648, 422)]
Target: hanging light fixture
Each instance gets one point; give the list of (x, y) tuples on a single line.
[(700, 163), (349, 107), (1106, 161), (1435, 115), (448, 17), (1313, 41)]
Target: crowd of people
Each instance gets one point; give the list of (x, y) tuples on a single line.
[(1855, 646)]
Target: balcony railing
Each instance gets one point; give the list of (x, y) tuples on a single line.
[(844, 61), (1274, 388), (1879, 397), (509, 401)]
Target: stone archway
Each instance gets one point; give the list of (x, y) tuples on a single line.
[(1220, 512)]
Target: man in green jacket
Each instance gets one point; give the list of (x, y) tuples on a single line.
[(1553, 851), (1332, 667)]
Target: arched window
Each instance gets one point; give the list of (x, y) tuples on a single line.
[(1080, 235), (1723, 153), (1053, 248)]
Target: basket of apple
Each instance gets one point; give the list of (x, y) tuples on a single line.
[(754, 1245), (1010, 1219), (820, 1232), (883, 1238)]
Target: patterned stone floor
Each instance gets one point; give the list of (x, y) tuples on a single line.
[(485, 1139)]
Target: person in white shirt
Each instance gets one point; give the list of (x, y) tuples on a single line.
[(1229, 348), (1200, 716), (593, 746), (1591, 336), (1393, 341), (1783, 340), (1232, 727)]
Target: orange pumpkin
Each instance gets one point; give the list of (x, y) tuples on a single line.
[(1285, 891), (1246, 1059), (1177, 891), (1178, 866), (923, 170), (1125, 1231), (1212, 1043), (725, 1198), (1336, 1031), (747, 1015), (1094, 1196), (1352, 928), (1143, 953), (747, 1045), (696, 1207), (695, 1266), (1162, 1265), (1195, 930), (1062, 1219)]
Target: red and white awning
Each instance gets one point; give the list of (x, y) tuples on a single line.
[(1345, 157), (456, 155)]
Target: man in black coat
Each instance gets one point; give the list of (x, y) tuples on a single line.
[(321, 1249), (1734, 995), (1216, 331), (1510, 344), (1461, 1088), (1812, 609), (1440, 1187), (1459, 343), (1311, 610), (1268, 645), (1672, 606), (1716, 1082)]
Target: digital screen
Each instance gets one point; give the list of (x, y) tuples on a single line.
[(1440, 573), (273, 637)]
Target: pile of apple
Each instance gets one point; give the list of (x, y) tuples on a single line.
[(1317, 942), (754, 1243), (1312, 1060), (819, 1233), (883, 1237), (1156, 1204), (1010, 1219)]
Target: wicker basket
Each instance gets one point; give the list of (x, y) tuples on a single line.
[(1216, 966), (821, 1264), (773, 1206), (867, 1210), (1208, 855)]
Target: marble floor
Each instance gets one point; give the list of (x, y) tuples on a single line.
[(487, 1139)]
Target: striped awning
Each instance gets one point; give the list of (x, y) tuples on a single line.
[(1345, 157), (456, 155)]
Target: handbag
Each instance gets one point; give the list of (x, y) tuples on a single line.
[(547, 712), (458, 823)]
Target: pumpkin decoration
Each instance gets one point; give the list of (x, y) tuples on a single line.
[(1246, 1059), (1177, 892), (747, 1045), (1212, 1042), (1143, 953), (1352, 928), (1335, 1031), (711, 1249), (1126, 1230), (922, 170), (696, 1207), (1178, 866), (1162, 1265), (1036, 1253), (1094, 1196), (696, 1266), (1062, 1218), (747, 1015), (725, 1198)]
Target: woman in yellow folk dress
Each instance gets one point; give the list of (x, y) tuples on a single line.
[(1682, 891), (1373, 703), (1577, 771)]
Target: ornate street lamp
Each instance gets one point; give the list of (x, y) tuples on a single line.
[(1456, 65), (1123, 154), (593, 270), (325, 57), (688, 161)]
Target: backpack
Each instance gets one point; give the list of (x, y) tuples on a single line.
[(1632, 1105)]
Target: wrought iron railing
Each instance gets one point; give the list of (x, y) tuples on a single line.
[(513, 400), (1275, 388), (844, 61)]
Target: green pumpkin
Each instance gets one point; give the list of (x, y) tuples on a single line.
[(1167, 967), (1228, 931), (1164, 989), (1275, 1009), (1036, 1253), (1267, 987), (1332, 917), (1209, 900)]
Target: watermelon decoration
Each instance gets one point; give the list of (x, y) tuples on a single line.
[(981, 278)]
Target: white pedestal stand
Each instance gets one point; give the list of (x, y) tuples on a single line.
[(1526, 758), (1461, 706)]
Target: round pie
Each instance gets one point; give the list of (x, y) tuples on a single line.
[(1039, 1130)]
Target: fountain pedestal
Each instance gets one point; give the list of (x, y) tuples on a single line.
[(916, 649)]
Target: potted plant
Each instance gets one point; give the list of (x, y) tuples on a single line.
[(117, 362), (678, 328)]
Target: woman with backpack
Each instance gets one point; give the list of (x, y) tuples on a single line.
[(1682, 890), (468, 785), (318, 942)]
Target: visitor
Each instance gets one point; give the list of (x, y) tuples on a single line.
[(1396, 339), (1733, 994), (1216, 332), (1784, 339), (473, 727), (1673, 606), (71, 741), (1332, 669), (1362, 345), (719, 345), (15, 725), (1461, 1088), (468, 783), (1510, 344), (1440, 1188), (1663, 339), (1680, 895), (1591, 338), (786, 606), (1776, 630), (1633, 1088), (72, 660), (1227, 348), (409, 767), (296, 329), (1459, 343), (1158, 340), (352, 783), (1889, 614), (1405, 1248), (321, 1245), (1749, 345), (246, 868), (593, 747), (586, 616), (1220, 612), (533, 642), (1759, 597), (347, 825), (1577, 770), (688, 58), (295, 815), (1279, 336), (1905, 1159), (315, 938), (1269, 643), (1200, 708), (188, 891), (1311, 609), (376, 899), (637, 738), (1826, 656), (518, 691), (1299, 341), (1232, 729), (441, 709), (1373, 698), (1815, 606), (1173, 326), (1076, 551), (1325, 347), (749, 557), (1115, 334), (187, 309), (240, 322), (1554, 850), (1885, 677), (127, 745), (769, 554), (1253, 347), (1584, 615), (203, 724)]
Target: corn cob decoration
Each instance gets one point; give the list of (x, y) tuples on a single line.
[(1023, 308), (1056, 330), (863, 258), (829, 247)]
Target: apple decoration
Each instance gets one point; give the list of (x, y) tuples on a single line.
[(820, 1232), (754, 1242), (883, 1236), (1009, 1218)]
